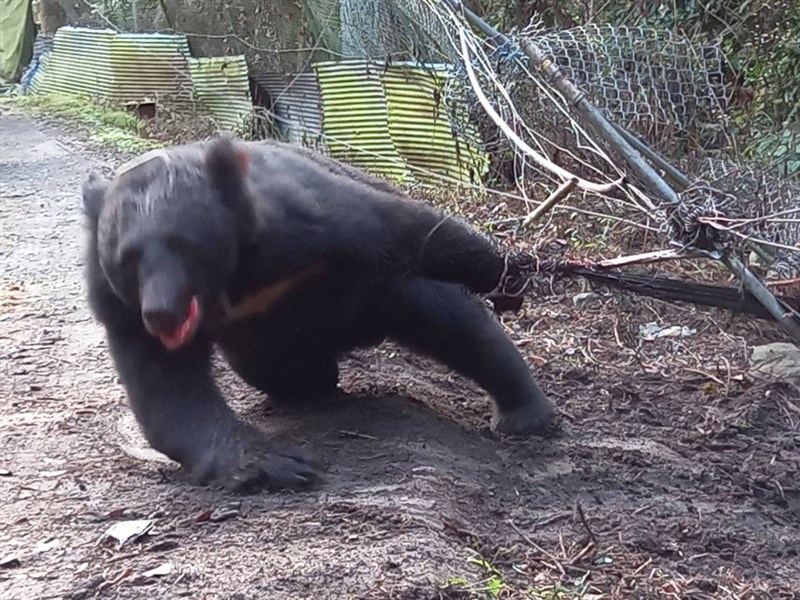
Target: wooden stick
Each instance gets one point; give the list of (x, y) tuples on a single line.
[(647, 258), (564, 190)]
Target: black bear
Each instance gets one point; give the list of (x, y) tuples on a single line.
[(284, 259)]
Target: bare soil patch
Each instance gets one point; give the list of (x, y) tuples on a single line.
[(674, 474)]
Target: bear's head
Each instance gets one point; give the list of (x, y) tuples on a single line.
[(170, 229)]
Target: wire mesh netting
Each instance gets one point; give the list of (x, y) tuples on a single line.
[(648, 80), (670, 91), (643, 78), (378, 29), (757, 204)]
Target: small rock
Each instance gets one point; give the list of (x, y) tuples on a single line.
[(10, 561), (779, 361), (5, 473), (223, 515), (586, 298)]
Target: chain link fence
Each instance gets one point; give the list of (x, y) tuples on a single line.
[(670, 91)]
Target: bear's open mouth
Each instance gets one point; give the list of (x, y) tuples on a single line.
[(175, 339)]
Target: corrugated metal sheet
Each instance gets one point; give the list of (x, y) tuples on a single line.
[(41, 51), (297, 105), (122, 67), (356, 118), (389, 120), (420, 126), (221, 86)]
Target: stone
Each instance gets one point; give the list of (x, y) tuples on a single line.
[(778, 361)]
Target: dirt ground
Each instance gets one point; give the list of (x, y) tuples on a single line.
[(674, 475)]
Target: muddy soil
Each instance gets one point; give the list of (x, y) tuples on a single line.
[(674, 473)]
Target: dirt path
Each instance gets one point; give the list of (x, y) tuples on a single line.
[(658, 487)]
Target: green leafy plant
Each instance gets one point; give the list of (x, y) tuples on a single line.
[(106, 125), (487, 588)]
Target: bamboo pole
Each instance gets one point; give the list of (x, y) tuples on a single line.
[(564, 190)]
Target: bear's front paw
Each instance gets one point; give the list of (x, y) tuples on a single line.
[(535, 417), (243, 461)]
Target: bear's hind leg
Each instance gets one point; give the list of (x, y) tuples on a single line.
[(291, 377), (444, 322)]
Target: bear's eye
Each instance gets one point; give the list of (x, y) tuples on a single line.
[(129, 259), (124, 277), (184, 249), (175, 244)]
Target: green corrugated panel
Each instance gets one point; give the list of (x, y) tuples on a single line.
[(391, 114), (117, 66), (356, 119), (78, 63), (222, 88), (421, 128)]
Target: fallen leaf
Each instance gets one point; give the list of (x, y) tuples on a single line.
[(47, 546), (58, 473), (203, 516), (128, 531), (160, 570), (164, 546), (223, 514), (538, 361)]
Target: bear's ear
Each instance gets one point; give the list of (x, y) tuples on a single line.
[(227, 164), (227, 168), (94, 195)]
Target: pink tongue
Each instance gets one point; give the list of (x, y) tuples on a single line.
[(179, 337)]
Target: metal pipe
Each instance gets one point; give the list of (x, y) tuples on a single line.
[(577, 99), (760, 292), (135, 11), (673, 175)]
